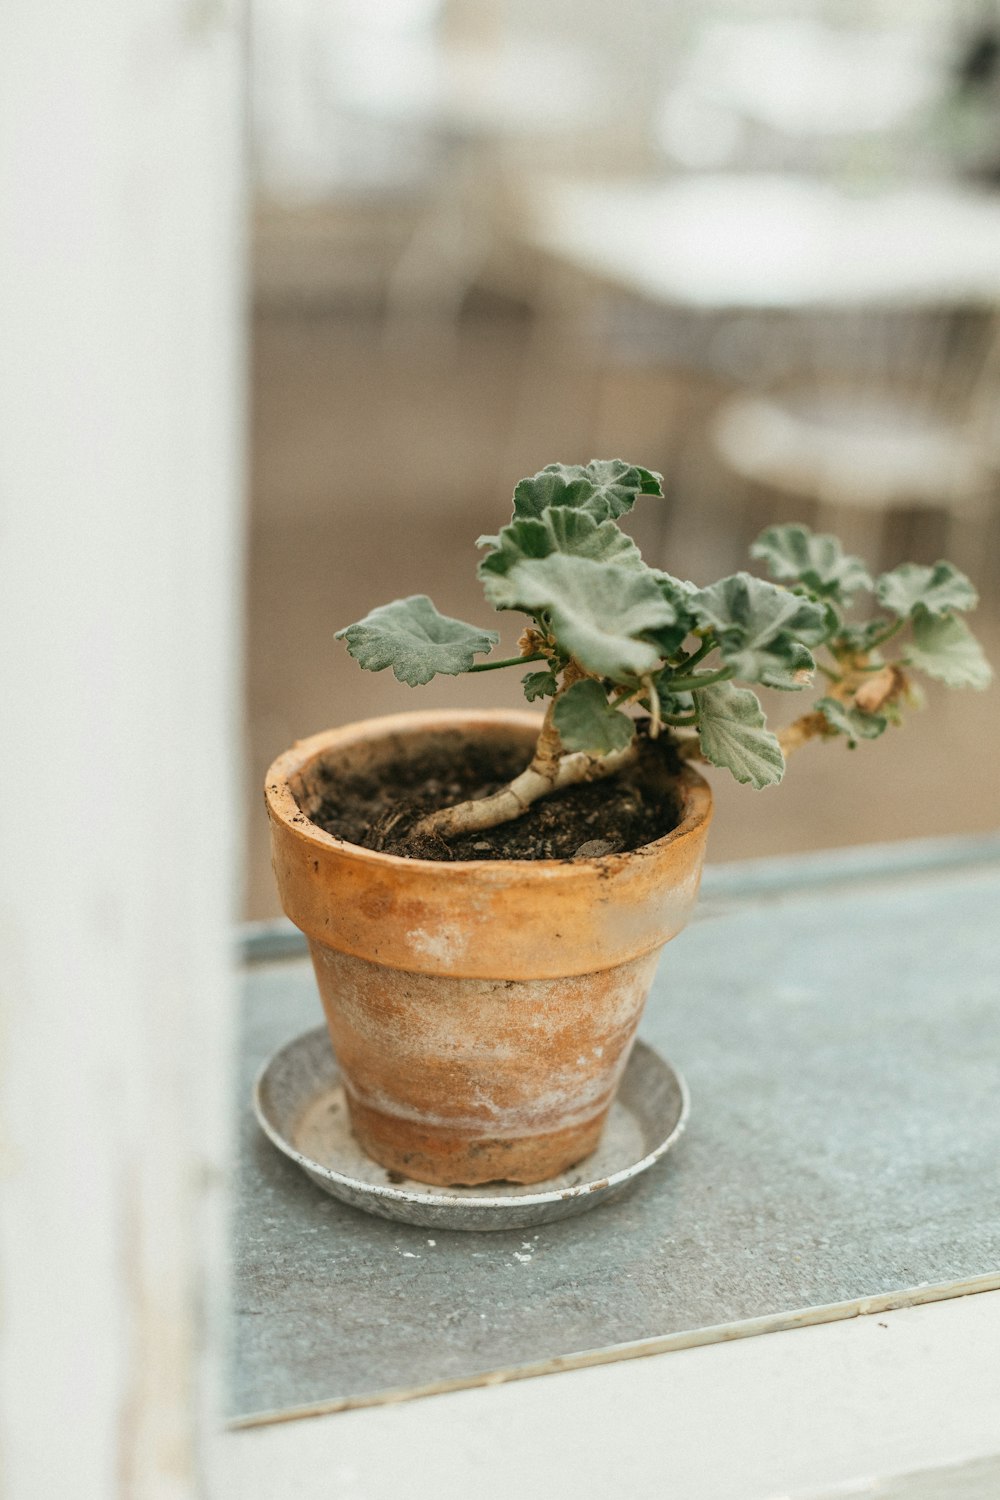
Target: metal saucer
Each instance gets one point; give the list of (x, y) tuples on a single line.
[(299, 1102)]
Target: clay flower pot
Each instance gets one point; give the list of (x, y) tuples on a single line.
[(482, 1012)]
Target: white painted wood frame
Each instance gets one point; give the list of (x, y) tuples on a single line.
[(901, 1405), (121, 442)]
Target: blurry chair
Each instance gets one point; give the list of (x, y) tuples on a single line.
[(491, 110), (899, 413)]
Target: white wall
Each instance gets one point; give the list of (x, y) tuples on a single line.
[(121, 333)]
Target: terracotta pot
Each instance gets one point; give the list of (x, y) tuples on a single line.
[(482, 1012)]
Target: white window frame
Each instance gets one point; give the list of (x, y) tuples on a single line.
[(122, 333)]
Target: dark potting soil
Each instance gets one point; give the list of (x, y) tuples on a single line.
[(377, 811)]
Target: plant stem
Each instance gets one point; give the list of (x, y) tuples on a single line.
[(699, 680), (808, 727), (517, 796), (549, 747), (626, 694), (509, 661), (707, 645), (655, 713), (550, 769), (887, 634)]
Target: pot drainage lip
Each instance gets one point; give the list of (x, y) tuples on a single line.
[(299, 1103)]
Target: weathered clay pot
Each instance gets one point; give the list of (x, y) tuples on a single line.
[(482, 1012)]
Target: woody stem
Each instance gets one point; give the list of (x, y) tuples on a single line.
[(551, 769)]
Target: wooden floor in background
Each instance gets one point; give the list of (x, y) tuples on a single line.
[(373, 471)]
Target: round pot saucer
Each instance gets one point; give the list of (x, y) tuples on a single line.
[(299, 1102)]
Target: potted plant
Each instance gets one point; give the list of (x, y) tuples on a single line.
[(485, 895)]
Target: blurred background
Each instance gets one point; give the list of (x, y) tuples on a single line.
[(755, 246)]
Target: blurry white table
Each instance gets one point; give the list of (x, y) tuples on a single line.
[(772, 241)]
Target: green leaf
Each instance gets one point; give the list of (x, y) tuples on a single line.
[(680, 591), (732, 734), (620, 484), (596, 611), (938, 589), (853, 722), (669, 638), (673, 703), (560, 529), (579, 535), (945, 648), (586, 721), (521, 539), (678, 594), (539, 685), (604, 488), (763, 630), (557, 484), (790, 670), (859, 639), (411, 637), (794, 553)]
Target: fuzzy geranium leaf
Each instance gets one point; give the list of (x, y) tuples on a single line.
[(539, 685), (763, 631), (415, 640), (945, 648), (860, 639), (731, 729), (556, 484), (669, 639), (852, 722), (521, 539), (793, 553), (939, 589), (596, 611), (678, 594), (675, 704), (586, 721), (604, 488), (680, 591), (790, 667), (576, 533), (620, 484), (560, 529)]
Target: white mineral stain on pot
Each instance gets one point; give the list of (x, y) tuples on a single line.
[(445, 945), (568, 1102)]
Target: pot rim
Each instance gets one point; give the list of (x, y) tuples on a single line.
[(283, 807)]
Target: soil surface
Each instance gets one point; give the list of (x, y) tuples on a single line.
[(633, 808)]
